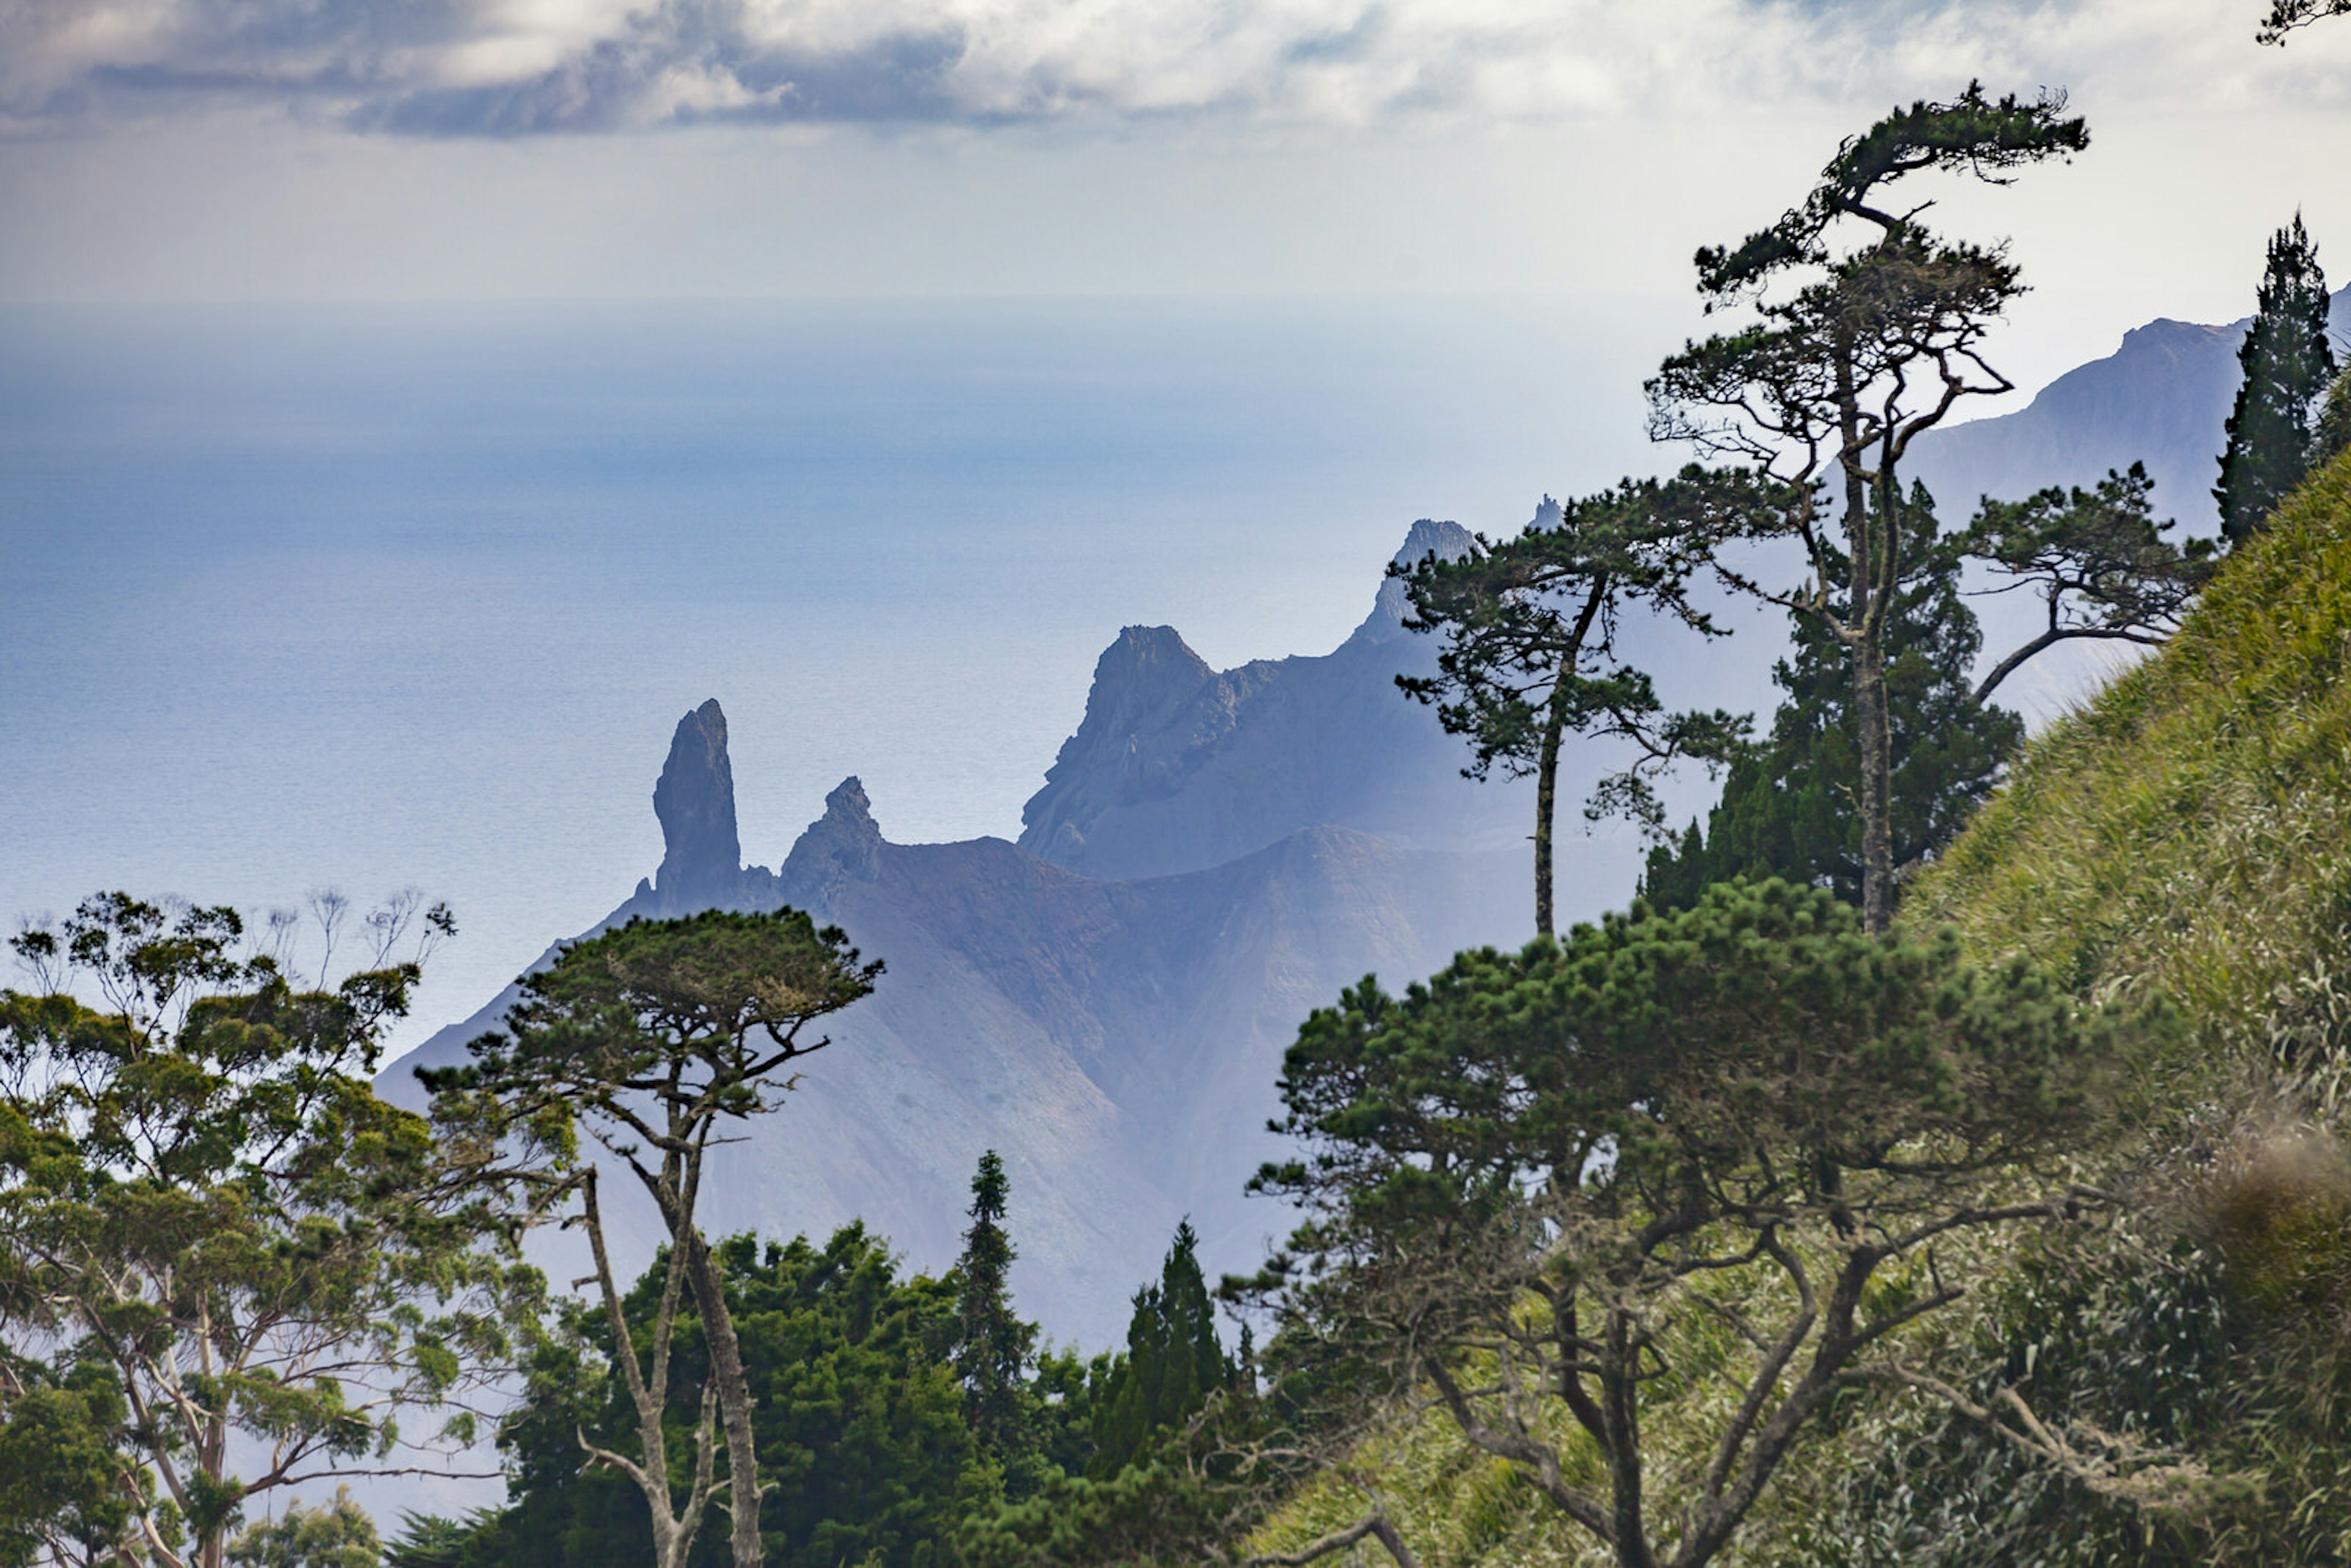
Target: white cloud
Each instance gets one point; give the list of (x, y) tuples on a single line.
[(507, 68)]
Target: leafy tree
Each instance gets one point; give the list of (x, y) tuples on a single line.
[(1529, 626), (652, 1037), (62, 1492), (339, 1535), (2286, 16), (241, 1266), (992, 1347), (865, 1452), (1788, 805), (1864, 351), (1703, 1157), (2099, 559), (1174, 1362), (2287, 363)]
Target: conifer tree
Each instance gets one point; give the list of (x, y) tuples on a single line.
[(1855, 352), (992, 1344), (1173, 1361), (2287, 363), (1787, 808)]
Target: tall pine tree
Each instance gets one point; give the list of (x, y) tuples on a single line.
[(992, 1345), (2287, 363), (1174, 1362), (1788, 805)]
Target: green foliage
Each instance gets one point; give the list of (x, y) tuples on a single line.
[(339, 1535), (1852, 354), (2332, 436), (63, 1491), (992, 1345), (1789, 806), (2096, 557), (653, 1036), (1174, 1363), (1529, 628), (233, 1246), (861, 1428), (2287, 363), (1717, 1141)]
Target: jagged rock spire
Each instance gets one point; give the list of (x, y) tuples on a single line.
[(702, 858)]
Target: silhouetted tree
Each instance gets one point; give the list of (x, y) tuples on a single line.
[(1831, 383), (2098, 560), (2287, 363), (2286, 16), (1529, 628)]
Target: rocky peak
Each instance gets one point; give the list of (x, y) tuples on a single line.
[(1446, 541), (1144, 684), (702, 858), (843, 845)]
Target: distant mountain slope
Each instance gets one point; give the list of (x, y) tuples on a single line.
[(2162, 399), (1271, 834), (1117, 1041), (1177, 766)]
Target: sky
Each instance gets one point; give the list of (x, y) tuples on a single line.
[(260, 150)]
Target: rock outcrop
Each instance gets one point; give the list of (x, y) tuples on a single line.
[(702, 858), (1176, 767)]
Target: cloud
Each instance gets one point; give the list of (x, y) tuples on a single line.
[(525, 67)]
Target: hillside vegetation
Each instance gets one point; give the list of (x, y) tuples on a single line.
[(2188, 830), (2185, 834)]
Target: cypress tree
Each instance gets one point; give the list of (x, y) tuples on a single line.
[(2287, 363), (992, 1345), (1174, 1362)]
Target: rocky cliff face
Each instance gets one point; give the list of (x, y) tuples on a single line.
[(1176, 767)]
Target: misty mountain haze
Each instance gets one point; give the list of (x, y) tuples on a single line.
[(1211, 855)]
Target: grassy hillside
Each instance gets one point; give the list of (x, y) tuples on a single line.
[(2186, 832)]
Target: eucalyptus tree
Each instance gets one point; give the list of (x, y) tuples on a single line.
[(653, 1038), (1529, 628), (1853, 353), (227, 1267)]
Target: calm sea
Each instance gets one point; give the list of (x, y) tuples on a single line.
[(378, 596)]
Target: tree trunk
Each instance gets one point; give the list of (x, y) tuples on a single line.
[(1876, 826), (734, 1400), (1546, 809), (1872, 585)]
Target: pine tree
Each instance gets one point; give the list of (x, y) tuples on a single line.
[(2287, 363), (1787, 807), (1174, 1362), (992, 1345)]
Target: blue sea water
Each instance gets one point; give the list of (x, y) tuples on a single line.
[(389, 595)]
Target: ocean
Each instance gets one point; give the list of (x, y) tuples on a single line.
[(372, 597)]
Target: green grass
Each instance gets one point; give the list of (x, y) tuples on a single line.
[(2188, 831)]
